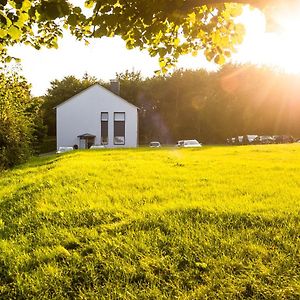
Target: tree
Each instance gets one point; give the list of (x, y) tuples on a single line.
[(59, 91), (39, 129), (166, 28), (18, 113), (130, 83), (235, 101)]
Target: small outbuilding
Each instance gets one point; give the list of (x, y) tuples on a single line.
[(96, 116)]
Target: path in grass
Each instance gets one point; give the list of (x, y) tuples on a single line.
[(210, 223)]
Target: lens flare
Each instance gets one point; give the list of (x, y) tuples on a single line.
[(280, 47)]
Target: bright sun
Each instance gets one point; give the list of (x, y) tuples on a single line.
[(280, 47)]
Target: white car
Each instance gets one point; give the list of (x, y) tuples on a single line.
[(154, 144), (188, 143), (64, 149), (97, 147)]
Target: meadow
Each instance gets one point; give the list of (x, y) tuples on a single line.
[(209, 223)]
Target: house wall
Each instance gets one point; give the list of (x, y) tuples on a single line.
[(82, 114)]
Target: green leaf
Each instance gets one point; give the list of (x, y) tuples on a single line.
[(101, 31), (3, 33), (220, 59), (162, 63), (209, 54), (176, 42), (89, 4), (77, 10), (26, 5), (162, 52), (192, 17), (72, 20), (14, 32)]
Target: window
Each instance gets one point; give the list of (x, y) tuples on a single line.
[(104, 128), (119, 128)]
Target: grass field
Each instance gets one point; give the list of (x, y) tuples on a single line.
[(210, 223)]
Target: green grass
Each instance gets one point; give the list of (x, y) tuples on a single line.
[(210, 223)]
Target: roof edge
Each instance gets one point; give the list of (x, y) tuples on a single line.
[(96, 83)]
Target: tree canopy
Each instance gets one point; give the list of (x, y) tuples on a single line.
[(166, 28), (213, 106)]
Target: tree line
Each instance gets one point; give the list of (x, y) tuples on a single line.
[(210, 107), (236, 100)]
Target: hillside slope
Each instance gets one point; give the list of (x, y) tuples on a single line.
[(210, 223)]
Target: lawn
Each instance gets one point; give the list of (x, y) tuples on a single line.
[(209, 223)]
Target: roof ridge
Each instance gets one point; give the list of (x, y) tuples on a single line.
[(98, 84)]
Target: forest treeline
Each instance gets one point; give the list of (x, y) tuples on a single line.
[(235, 101), (210, 107)]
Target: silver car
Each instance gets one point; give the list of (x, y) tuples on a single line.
[(64, 149), (154, 144), (188, 143)]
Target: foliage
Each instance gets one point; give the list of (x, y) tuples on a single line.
[(167, 29), (48, 144), (19, 120), (59, 91), (130, 84), (236, 100), (39, 129), (210, 223)]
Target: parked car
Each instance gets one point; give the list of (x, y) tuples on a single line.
[(97, 147), (251, 138), (264, 139), (64, 149), (283, 139), (242, 139), (154, 144), (188, 143), (267, 139)]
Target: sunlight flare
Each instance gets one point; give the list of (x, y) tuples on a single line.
[(274, 42)]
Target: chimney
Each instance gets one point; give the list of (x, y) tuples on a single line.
[(115, 86)]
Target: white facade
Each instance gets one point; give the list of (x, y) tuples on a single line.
[(81, 115)]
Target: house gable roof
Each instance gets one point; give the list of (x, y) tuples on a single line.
[(95, 84)]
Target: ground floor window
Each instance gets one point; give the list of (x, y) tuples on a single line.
[(119, 128), (104, 128)]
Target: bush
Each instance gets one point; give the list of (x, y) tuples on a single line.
[(17, 116)]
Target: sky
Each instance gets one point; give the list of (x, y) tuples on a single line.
[(106, 56)]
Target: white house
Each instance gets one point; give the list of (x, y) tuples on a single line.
[(96, 116)]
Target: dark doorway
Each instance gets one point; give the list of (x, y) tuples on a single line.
[(86, 140)]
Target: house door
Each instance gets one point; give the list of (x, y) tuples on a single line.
[(89, 142), (81, 144)]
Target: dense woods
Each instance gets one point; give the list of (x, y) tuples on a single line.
[(237, 100)]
